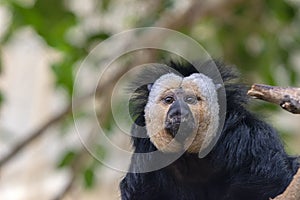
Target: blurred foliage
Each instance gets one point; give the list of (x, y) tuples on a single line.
[(89, 177), (67, 159), (260, 37), (1, 98), (52, 21)]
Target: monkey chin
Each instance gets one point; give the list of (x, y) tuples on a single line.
[(165, 142), (178, 137), (189, 137)]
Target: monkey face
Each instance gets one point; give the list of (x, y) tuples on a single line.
[(179, 114)]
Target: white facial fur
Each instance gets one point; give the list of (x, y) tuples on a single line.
[(205, 112), (208, 90)]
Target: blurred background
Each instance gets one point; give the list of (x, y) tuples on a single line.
[(43, 43)]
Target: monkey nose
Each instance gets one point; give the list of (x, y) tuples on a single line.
[(178, 112)]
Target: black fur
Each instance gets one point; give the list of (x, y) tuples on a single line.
[(247, 163)]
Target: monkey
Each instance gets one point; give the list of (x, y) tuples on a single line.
[(179, 114)]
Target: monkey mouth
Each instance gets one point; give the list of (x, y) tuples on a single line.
[(180, 127)]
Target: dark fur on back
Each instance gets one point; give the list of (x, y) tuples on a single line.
[(247, 163)]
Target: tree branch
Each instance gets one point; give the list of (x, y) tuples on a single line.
[(287, 98), (102, 89), (34, 135)]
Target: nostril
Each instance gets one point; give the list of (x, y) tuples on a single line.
[(178, 113), (174, 112)]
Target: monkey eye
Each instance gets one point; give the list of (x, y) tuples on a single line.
[(168, 100), (191, 99)]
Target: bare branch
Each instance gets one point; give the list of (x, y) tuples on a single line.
[(35, 134), (287, 97), (67, 188), (104, 88)]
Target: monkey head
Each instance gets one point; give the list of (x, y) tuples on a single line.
[(182, 113)]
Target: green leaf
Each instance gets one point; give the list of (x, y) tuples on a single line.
[(67, 159), (108, 123), (100, 151), (105, 5), (240, 9), (49, 18), (0, 62), (1, 98), (97, 38), (282, 10), (64, 74), (89, 177)]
